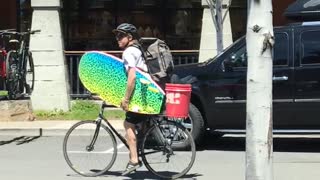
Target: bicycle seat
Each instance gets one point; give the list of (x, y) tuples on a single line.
[(14, 41)]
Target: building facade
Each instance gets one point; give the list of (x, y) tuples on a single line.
[(81, 25), (87, 24)]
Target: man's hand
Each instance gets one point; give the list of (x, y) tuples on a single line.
[(124, 104)]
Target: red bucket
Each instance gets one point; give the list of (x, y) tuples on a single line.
[(178, 99)]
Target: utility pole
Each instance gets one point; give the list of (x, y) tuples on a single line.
[(260, 41)]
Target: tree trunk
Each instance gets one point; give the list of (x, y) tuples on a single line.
[(217, 18), (259, 148), (219, 27)]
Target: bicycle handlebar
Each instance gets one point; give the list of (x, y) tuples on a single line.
[(35, 31), (5, 30), (10, 32)]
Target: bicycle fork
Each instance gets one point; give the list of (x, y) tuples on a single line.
[(90, 147)]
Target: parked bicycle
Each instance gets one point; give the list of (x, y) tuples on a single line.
[(19, 77), (3, 54), (90, 147)]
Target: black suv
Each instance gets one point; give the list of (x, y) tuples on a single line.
[(219, 84)]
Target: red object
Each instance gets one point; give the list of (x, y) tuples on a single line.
[(2, 64), (2, 68), (178, 99)]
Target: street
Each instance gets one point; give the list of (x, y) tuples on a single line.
[(38, 158)]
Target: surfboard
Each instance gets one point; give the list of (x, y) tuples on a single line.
[(105, 75)]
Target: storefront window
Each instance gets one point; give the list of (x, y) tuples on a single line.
[(238, 18), (8, 14), (88, 24)]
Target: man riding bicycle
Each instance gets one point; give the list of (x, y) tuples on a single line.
[(126, 35)]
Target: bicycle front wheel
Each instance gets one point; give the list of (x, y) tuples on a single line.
[(88, 150), (159, 154), (28, 76), (12, 80)]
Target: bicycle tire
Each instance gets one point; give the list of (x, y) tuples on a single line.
[(28, 76), (157, 155), (11, 78), (80, 136)]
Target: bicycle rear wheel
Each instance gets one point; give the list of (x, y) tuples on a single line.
[(86, 156), (158, 152)]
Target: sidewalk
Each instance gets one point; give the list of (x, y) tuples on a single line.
[(44, 127)]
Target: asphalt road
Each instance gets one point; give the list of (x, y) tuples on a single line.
[(38, 158)]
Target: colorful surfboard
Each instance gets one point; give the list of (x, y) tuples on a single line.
[(105, 75)]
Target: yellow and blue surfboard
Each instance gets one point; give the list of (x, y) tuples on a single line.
[(105, 75)]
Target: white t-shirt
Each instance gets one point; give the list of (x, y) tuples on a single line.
[(132, 58)]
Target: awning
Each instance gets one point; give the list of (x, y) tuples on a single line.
[(304, 10)]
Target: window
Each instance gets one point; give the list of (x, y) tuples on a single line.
[(310, 47), (88, 24), (280, 55), (281, 49), (236, 59), (239, 58)]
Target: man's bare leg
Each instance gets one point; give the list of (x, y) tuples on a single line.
[(132, 141)]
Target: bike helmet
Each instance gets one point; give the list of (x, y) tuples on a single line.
[(126, 28)]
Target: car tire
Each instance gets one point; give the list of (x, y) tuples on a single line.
[(195, 124)]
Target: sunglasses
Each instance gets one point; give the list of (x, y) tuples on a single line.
[(119, 36)]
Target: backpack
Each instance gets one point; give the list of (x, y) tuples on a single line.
[(158, 59)]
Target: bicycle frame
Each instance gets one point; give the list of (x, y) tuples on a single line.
[(21, 52), (113, 130), (123, 140)]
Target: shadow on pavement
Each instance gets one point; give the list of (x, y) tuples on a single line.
[(280, 144), (148, 175), (20, 140), (137, 175)]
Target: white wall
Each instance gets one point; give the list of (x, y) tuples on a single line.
[(51, 89), (208, 45)]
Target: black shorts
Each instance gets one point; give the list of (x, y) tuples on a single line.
[(135, 118)]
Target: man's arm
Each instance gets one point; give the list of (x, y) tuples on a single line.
[(130, 83), (130, 87)]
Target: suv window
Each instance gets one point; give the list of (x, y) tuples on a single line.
[(239, 58), (281, 49), (310, 47), (280, 54)]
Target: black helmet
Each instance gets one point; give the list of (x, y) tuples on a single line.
[(126, 28)]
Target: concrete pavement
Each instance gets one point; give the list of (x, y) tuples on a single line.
[(44, 127)]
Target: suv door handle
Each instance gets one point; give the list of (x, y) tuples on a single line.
[(283, 78)]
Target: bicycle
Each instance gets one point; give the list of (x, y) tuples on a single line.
[(3, 54), (90, 147), (19, 64)]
